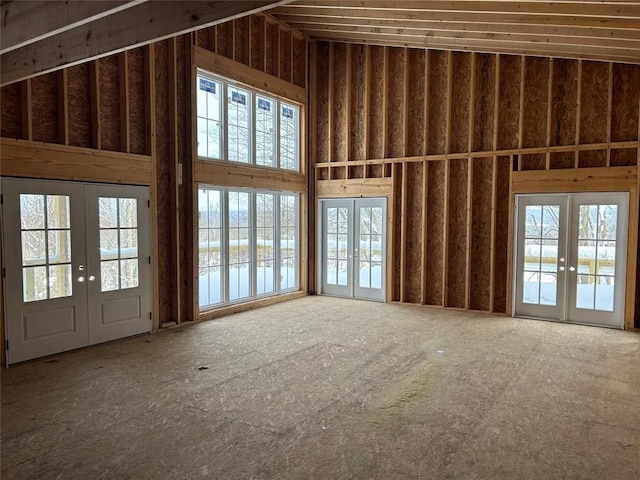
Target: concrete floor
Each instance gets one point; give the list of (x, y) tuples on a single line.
[(333, 389)]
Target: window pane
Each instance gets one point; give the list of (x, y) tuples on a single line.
[(209, 114), (57, 211), (108, 212), (34, 248), (238, 136), (289, 144), (128, 243), (31, 211), (109, 276), (59, 281), (128, 212), (129, 273), (34, 283), (59, 246), (108, 244), (265, 131)]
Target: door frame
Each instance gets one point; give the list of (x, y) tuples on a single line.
[(565, 310), (320, 243), (589, 181), (152, 237)]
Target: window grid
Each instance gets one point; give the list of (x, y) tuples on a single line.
[(248, 139), (251, 252)]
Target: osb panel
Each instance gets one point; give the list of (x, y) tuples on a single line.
[(435, 228), (257, 44), (163, 193), (109, 103), (356, 171), (484, 105), (395, 102), (509, 103), (626, 101), (376, 102), (460, 101), (564, 104), (501, 259), (594, 102), (241, 32), (536, 161), (44, 107), (592, 158), (480, 247), (136, 101), (11, 111), (562, 160), (285, 55), (536, 102), (339, 108), (457, 233), (338, 173), (323, 173), (416, 96), (203, 38), (375, 171), (299, 62), (322, 103), (222, 39), (624, 157), (271, 63), (79, 95), (396, 231), (437, 101), (414, 235), (357, 119)]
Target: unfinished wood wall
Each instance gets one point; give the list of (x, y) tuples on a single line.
[(449, 128), (137, 102)]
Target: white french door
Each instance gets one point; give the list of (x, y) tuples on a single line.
[(76, 265), (571, 257), (353, 253)]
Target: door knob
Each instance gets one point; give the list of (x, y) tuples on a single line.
[(92, 278), (562, 269), (80, 279), (573, 269)]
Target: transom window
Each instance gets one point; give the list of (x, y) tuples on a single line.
[(238, 124), (248, 244)]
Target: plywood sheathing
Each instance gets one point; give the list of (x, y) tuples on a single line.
[(299, 61), (271, 42), (242, 32), (501, 241), (485, 98), (564, 108), (456, 265), (413, 211), (322, 153), (593, 104), (435, 206), (535, 110), (137, 113), (625, 105), (44, 108), (109, 103), (509, 105), (460, 99), (416, 98), (438, 99), (377, 109), (480, 241), (340, 106), (395, 106), (11, 114), (358, 103)]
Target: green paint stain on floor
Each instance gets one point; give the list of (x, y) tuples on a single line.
[(415, 385)]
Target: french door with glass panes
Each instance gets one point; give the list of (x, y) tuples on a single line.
[(77, 265), (353, 236), (571, 257)]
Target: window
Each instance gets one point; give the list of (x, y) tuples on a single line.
[(248, 244), (247, 127)]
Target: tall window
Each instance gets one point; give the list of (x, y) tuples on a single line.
[(247, 127), (248, 244)]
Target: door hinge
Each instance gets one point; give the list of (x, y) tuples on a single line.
[(4, 272), (148, 203), (150, 315), (1, 199), (149, 260), (6, 344)]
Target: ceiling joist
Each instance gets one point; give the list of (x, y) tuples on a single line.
[(140, 24)]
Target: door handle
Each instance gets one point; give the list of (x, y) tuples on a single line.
[(80, 279), (91, 278), (562, 269), (572, 269)]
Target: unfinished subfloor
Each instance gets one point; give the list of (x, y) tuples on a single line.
[(333, 389)]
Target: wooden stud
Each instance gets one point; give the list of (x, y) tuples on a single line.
[(125, 143), (445, 233), (578, 110), (403, 232), (231, 39), (330, 103), (423, 228), (549, 112), (405, 104), (275, 50), (247, 40), (63, 107), (385, 102), (496, 105), (291, 56), (96, 130), (472, 102), (262, 31), (391, 221), (213, 39), (367, 104), (348, 55), (468, 286), (174, 180), (609, 112), (189, 184), (492, 253), (426, 101)]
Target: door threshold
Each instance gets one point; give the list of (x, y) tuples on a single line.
[(569, 322)]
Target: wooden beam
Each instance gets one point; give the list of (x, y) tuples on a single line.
[(358, 187), (449, 97), (424, 229), (549, 112), (403, 230), (609, 111), (578, 112), (175, 169), (28, 22), (139, 25), (227, 174), (600, 179), (523, 75), (21, 158), (445, 233), (492, 253), (125, 143)]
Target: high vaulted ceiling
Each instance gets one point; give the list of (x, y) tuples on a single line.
[(596, 29)]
